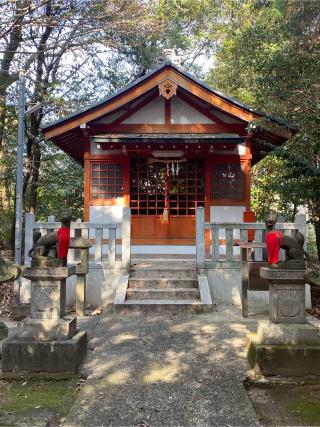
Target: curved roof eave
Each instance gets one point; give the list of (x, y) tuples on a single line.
[(183, 72)]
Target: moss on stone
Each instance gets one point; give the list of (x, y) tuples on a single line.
[(23, 398), (251, 351), (305, 407)]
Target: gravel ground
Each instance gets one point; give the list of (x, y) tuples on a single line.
[(166, 371)]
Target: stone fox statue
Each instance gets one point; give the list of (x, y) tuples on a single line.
[(44, 247), (53, 245), (293, 246), (8, 271)]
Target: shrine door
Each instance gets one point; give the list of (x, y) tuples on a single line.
[(164, 195)]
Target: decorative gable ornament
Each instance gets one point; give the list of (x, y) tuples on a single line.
[(167, 88)]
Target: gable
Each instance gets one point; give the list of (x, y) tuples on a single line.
[(135, 91), (166, 101), (182, 113), (151, 113)]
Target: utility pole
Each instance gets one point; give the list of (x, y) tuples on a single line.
[(19, 182)]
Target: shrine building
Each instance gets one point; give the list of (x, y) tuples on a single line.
[(163, 146)]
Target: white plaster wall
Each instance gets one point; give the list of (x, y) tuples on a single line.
[(182, 113), (227, 214), (225, 287), (163, 249), (105, 214), (152, 113), (102, 284), (109, 117), (225, 117)]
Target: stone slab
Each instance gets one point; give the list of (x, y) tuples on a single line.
[(294, 334), (164, 306), (205, 295), (22, 355), (49, 273), (279, 274), (47, 329), (121, 292), (284, 360), (165, 293)]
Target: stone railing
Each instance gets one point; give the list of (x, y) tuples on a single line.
[(218, 241), (107, 245)]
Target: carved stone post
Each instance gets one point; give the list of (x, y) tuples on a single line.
[(82, 246)]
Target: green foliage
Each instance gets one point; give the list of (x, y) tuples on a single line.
[(271, 191), (269, 58), (60, 185)]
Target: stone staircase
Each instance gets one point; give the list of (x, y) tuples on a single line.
[(163, 285)]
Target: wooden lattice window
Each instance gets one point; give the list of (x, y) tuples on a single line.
[(185, 190), (106, 180), (227, 182)]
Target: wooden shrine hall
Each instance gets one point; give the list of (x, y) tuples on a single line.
[(163, 146)]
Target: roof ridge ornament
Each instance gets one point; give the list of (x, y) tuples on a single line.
[(167, 88), (169, 56)]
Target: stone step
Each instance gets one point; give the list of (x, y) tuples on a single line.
[(160, 306), (155, 282), (164, 273), (163, 263), (162, 294)]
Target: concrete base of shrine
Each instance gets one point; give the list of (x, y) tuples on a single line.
[(288, 350), (51, 356)]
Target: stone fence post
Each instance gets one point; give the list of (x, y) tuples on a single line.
[(200, 248), (28, 240), (301, 221), (126, 238)]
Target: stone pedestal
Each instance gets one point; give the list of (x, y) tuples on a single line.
[(288, 350), (47, 341), (285, 345), (286, 295), (20, 311)]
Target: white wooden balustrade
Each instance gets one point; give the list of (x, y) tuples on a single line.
[(111, 242), (225, 238)]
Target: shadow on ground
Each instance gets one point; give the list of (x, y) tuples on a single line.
[(173, 370), (282, 406)]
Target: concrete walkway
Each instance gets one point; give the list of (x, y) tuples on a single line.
[(166, 371)]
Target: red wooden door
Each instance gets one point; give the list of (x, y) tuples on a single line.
[(155, 185)]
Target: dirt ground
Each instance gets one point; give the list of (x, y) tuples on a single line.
[(286, 406)]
